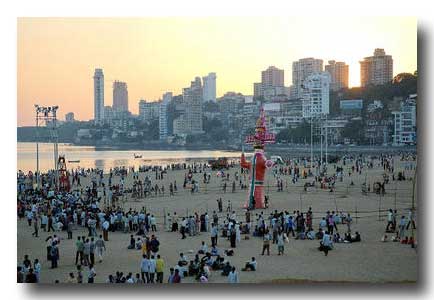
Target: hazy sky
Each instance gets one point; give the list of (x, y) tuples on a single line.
[(57, 57)]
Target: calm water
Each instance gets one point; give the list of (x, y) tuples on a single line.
[(105, 159)]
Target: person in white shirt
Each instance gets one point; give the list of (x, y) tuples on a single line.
[(233, 276), (105, 229), (203, 248), (326, 243), (168, 222), (152, 266), (91, 274), (37, 269), (144, 267), (153, 222), (100, 248)]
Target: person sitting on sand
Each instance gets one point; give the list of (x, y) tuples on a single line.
[(193, 268), (203, 248), (356, 238), (183, 259), (180, 267), (311, 235), (226, 269), (132, 242), (218, 263), (139, 244), (250, 265), (214, 251)]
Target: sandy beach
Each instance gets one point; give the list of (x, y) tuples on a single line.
[(367, 261)]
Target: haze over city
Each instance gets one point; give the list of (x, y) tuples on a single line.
[(57, 57)]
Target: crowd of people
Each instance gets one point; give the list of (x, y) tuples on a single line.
[(95, 208)]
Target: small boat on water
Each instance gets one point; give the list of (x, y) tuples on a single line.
[(137, 156), (73, 161)]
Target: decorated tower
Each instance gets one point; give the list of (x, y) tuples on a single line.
[(64, 184), (259, 163)]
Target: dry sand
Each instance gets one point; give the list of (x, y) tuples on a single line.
[(368, 261)]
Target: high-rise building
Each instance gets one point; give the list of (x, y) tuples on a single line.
[(272, 83), (316, 94), (338, 75), (120, 96), (301, 69), (193, 99), (163, 118), (209, 87), (69, 117), (98, 96), (377, 69), (272, 77), (149, 111)]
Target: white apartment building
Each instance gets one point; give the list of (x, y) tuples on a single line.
[(316, 95), (98, 96), (209, 87), (149, 111), (405, 123)]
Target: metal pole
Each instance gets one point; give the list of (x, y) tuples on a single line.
[(321, 144), (311, 140), (326, 143), (355, 201), (37, 149), (379, 207), (300, 202), (412, 206)]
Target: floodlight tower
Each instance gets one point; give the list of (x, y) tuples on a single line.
[(47, 115)]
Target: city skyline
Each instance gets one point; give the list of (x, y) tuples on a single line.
[(52, 71)]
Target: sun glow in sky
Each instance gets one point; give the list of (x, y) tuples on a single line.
[(57, 56)]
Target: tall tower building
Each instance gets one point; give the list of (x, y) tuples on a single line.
[(163, 119), (377, 69), (338, 75), (301, 69), (209, 87), (193, 99), (120, 96), (98, 96), (316, 95)]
